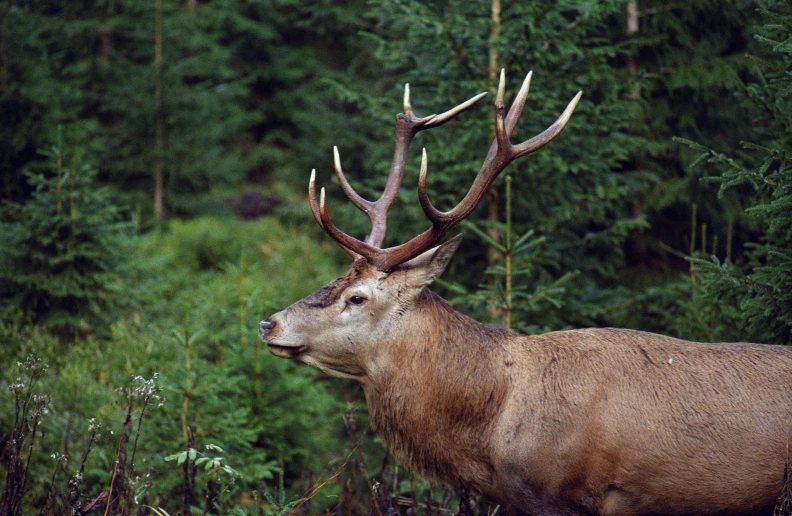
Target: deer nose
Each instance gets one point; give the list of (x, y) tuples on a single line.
[(265, 327)]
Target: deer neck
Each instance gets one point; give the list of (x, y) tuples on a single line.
[(437, 392)]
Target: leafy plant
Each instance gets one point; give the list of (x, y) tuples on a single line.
[(30, 407), (218, 474)]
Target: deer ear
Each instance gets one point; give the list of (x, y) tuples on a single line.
[(428, 266)]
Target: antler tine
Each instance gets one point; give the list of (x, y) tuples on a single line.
[(499, 149), (501, 136), (436, 120), (316, 210), (423, 199), (518, 104), (514, 112), (548, 134), (361, 203), (312, 198), (407, 106), (350, 244)]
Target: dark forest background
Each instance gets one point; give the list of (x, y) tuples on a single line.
[(155, 157)]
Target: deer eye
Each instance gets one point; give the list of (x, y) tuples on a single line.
[(356, 300)]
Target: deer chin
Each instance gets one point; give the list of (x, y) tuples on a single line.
[(285, 351), (336, 370)]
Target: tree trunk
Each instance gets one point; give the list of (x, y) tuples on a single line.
[(631, 31), (158, 130), (105, 43), (4, 48)]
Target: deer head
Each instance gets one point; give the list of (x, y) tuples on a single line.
[(340, 328)]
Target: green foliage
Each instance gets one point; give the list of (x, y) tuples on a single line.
[(219, 383), (63, 247), (567, 193), (219, 476), (232, 95), (593, 230), (517, 288), (278, 504), (754, 294), (254, 403), (201, 115)]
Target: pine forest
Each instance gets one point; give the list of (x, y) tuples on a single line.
[(155, 158)]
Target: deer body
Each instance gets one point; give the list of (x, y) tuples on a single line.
[(598, 421)]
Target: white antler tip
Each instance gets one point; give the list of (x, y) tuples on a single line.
[(313, 176), (336, 158), (501, 87), (574, 102), (527, 81)]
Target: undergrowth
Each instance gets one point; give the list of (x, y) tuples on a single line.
[(178, 407)]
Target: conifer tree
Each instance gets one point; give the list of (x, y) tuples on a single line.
[(750, 298), (63, 248)]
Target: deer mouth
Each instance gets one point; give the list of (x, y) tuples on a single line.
[(285, 351)]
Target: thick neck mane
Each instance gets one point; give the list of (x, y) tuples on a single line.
[(432, 407)]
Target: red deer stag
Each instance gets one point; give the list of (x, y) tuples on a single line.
[(596, 421)]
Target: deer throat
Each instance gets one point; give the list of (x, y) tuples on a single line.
[(439, 428)]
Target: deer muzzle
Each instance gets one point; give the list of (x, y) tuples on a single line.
[(267, 330)]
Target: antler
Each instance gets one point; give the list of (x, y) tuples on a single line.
[(407, 126), (500, 154)]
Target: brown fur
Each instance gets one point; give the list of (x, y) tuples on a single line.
[(599, 421), (417, 408), (329, 294)]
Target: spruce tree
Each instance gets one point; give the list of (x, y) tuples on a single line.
[(63, 249), (750, 297)]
